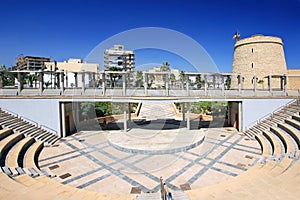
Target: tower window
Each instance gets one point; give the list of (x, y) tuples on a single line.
[(252, 50), (252, 65)]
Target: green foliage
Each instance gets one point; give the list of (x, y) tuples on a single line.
[(47, 84), (30, 78), (102, 109), (228, 82), (260, 82), (165, 67), (139, 78), (8, 78), (151, 78), (87, 110)]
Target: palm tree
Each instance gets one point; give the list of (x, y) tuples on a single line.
[(30, 78), (151, 78), (165, 67), (198, 81), (172, 79), (228, 82), (182, 78), (113, 76)]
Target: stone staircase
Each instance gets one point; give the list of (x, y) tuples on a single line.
[(279, 130), (17, 124)]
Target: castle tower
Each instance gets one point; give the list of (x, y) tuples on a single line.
[(258, 56)]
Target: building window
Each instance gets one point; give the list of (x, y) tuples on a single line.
[(252, 65), (252, 50)]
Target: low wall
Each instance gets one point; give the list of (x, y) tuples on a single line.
[(255, 109), (45, 112)]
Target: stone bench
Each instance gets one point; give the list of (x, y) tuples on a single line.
[(16, 154), (6, 144), (31, 156), (5, 132)]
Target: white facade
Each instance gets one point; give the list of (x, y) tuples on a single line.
[(72, 68)]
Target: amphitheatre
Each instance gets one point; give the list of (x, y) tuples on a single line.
[(244, 145)]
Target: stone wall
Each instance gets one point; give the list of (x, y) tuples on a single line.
[(293, 79), (258, 56)]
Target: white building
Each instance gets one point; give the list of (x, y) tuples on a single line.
[(121, 60), (73, 69)]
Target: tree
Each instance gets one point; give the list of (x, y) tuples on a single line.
[(172, 79), (30, 78), (8, 78), (113, 76), (139, 78), (151, 79), (87, 110), (165, 67), (198, 81), (182, 78), (228, 82)]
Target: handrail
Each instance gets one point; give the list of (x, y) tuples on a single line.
[(270, 114), (11, 112), (48, 128), (31, 121)]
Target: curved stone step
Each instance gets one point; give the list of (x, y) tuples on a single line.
[(5, 132), (6, 144), (15, 155), (286, 140)]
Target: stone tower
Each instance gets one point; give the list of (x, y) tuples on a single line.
[(258, 56)]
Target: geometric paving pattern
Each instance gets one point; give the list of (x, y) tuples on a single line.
[(95, 165)]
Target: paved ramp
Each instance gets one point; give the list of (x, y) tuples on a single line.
[(157, 110)]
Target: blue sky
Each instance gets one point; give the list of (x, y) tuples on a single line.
[(72, 28)]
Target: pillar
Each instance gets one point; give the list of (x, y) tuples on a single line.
[(125, 117), (57, 75), (205, 85), (270, 82), (93, 79), (83, 81), (76, 79), (187, 85), (240, 116), (255, 83), (67, 81), (239, 83), (214, 80), (222, 84), (167, 84), (129, 113), (284, 83), (20, 79), (103, 84), (2, 80), (124, 84), (41, 81), (183, 112), (62, 81), (146, 83), (63, 120), (188, 123)]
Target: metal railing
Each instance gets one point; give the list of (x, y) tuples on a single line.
[(30, 121), (254, 123)]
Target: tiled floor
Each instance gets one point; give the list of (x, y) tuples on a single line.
[(96, 165)]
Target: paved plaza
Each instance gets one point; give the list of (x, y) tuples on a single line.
[(87, 160)]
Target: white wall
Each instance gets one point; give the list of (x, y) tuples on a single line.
[(43, 111), (254, 109)]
